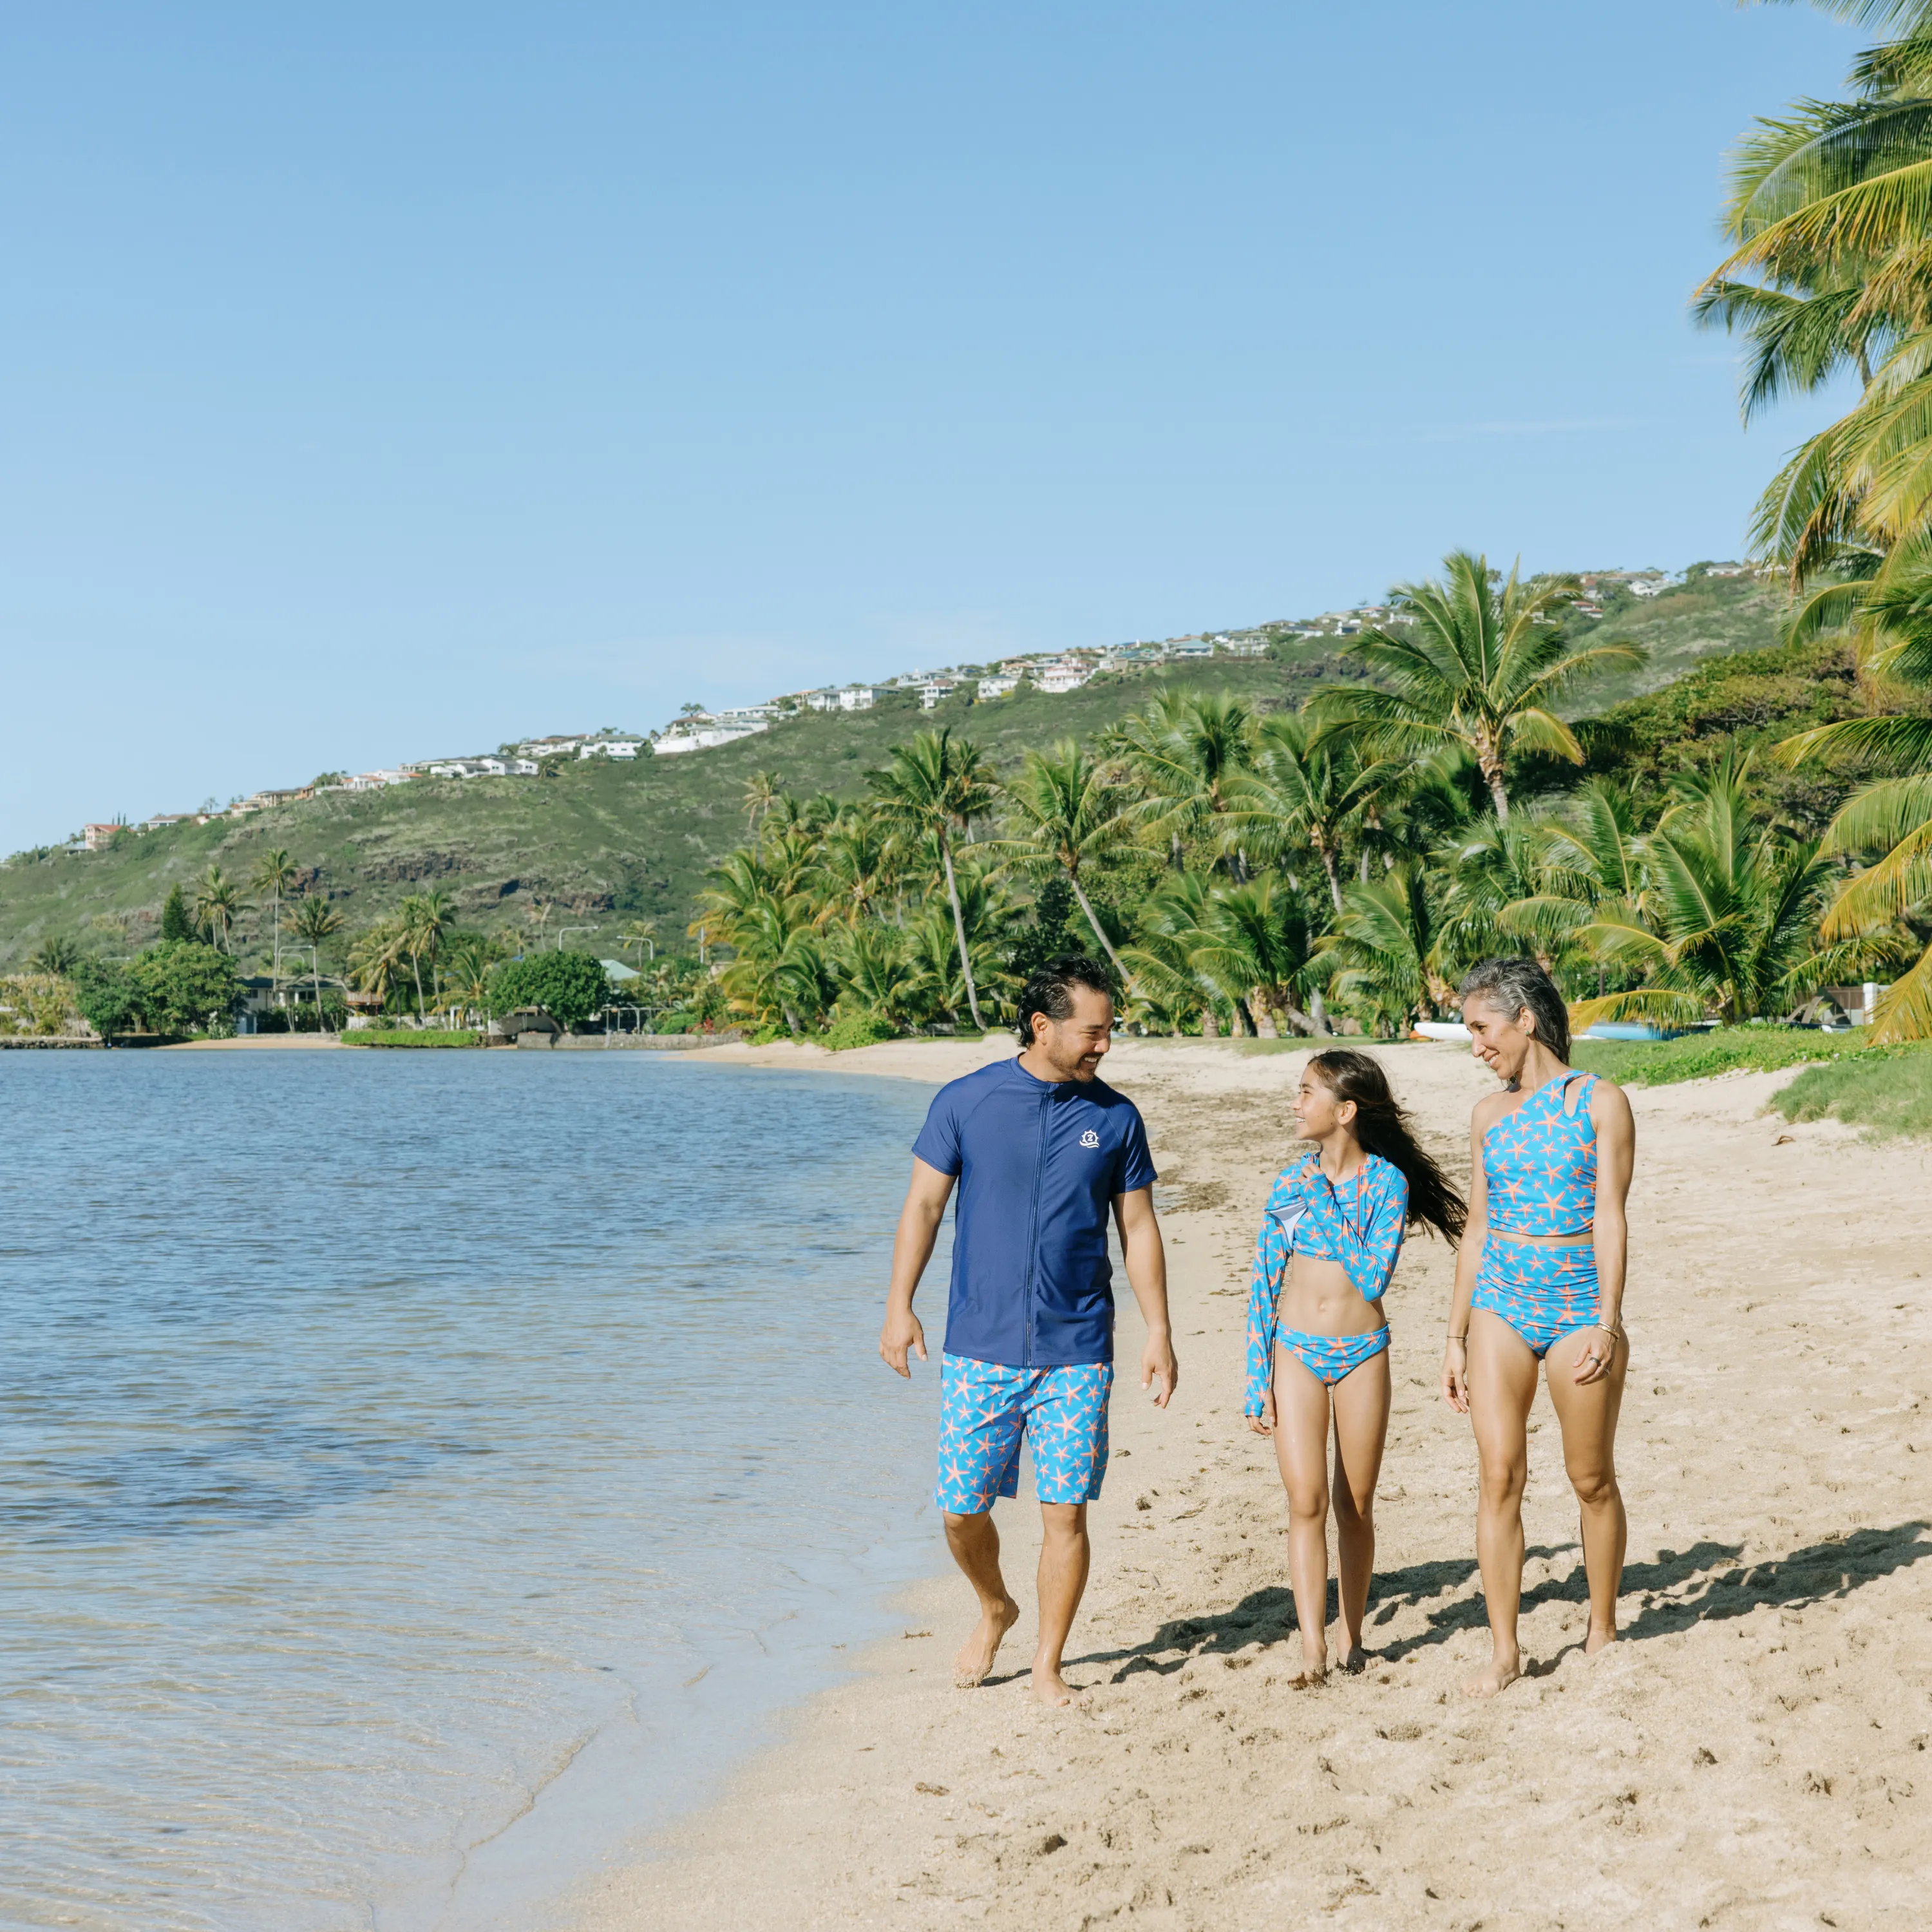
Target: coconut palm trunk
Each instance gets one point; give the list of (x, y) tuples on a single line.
[(1127, 979), (959, 932)]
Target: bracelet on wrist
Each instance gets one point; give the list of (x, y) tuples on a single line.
[(1460, 1340)]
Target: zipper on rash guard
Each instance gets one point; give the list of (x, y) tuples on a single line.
[(1032, 1224)]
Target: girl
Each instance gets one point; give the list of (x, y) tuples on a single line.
[(1317, 1338), (1540, 1279)]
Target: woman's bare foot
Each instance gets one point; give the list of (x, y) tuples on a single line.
[(1049, 1687), (1502, 1673), (1314, 1671), (1355, 1660), (1596, 1640), (975, 1661)]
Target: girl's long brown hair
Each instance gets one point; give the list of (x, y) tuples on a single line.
[(1383, 1128)]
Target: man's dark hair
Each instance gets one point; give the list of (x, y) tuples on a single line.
[(1050, 990)]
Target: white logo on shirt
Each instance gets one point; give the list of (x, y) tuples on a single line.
[(1089, 1138)]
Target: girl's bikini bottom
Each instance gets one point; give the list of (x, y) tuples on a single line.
[(1542, 1293), (1329, 1357)]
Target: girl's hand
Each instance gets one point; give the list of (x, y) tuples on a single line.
[(1263, 1424), (1456, 1376)]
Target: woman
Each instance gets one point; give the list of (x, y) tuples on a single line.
[(1317, 1338), (1540, 1279)]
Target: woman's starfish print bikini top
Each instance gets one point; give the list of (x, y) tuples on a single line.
[(1539, 1163)]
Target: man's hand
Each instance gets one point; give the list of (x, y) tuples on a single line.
[(902, 1333), (1159, 1367)]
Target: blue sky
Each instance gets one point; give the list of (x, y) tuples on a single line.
[(379, 383)]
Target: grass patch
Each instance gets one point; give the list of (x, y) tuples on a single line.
[(406, 1037), (1888, 1090), (1638, 1062)]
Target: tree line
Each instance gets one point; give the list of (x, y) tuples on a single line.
[(1268, 874)]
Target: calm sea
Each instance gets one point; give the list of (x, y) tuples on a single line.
[(420, 1472)]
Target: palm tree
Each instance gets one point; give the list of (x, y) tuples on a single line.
[(1066, 815), (640, 933), (762, 790), (275, 874), (425, 917), (935, 788), (218, 903), (1302, 795), (1889, 819), (56, 957), (876, 973), (1386, 949), (375, 958), (1735, 906), (310, 921), (1477, 665), (1253, 945), (467, 964), (1186, 750)]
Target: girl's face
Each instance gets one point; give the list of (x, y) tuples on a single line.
[(1317, 1113), (1500, 1041)]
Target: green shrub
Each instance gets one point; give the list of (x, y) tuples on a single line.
[(851, 1030), (675, 1023), (568, 986), (1641, 1063), (179, 985), (406, 1037), (1888, 1090)]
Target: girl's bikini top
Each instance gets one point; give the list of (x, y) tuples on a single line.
[(1358, 1224), (1540, 1163)]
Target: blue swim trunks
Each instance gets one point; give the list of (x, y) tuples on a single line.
[(986, 1407)]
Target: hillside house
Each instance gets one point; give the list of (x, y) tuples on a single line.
[(997, 687), (858, 696), (936, 690), (610, 748), (700, 734), (559, 747), (97, 838), (1061, 676), (161, 818)]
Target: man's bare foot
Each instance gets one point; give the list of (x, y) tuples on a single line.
[(1597, 1639), (975, 1661), (1502, 1673), (1049, 1687)]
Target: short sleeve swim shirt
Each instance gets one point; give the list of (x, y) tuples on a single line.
[(1039, 1164)]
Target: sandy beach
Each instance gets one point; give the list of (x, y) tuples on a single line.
[(1753, 1754)]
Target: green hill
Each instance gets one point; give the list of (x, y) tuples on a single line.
[(601, 843)]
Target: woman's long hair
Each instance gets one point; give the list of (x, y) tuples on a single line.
[(1382, 1128)]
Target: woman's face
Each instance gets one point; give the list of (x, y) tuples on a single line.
[(1317, 1113), (1501, 1043)]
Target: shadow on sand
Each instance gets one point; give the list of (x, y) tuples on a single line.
[(1705, 1583)]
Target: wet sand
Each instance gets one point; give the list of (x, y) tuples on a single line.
[(1756, 1753)]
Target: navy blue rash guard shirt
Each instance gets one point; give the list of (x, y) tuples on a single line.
[(1038, 1163)]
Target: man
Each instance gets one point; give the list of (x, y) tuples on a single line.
[(1042, 1150)]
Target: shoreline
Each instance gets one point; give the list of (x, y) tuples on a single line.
[(1752, 1754)]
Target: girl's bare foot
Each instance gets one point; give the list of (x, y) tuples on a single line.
[(1502, 1673), (1596, 1640), (975, 1660), (1049, 1687)]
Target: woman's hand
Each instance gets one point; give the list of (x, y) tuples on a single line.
[(1456, 1375), (1599, 1351), (1263, 1424)]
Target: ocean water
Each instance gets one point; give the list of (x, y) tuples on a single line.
[(419, 1473)]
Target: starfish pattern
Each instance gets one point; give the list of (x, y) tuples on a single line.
[(986, 1409)]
